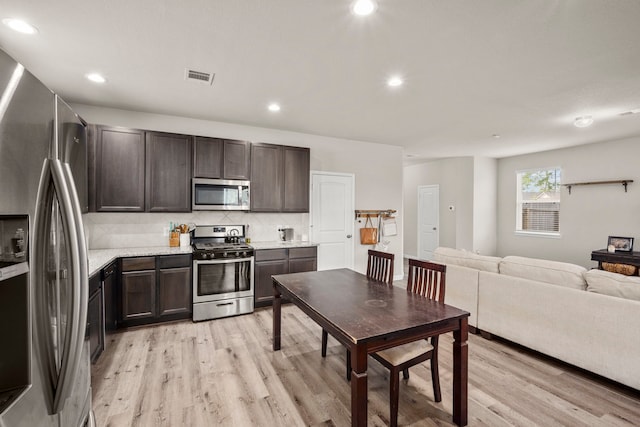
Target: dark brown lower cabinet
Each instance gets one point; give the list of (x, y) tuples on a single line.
[(109, 287), (269, 262), (95, 316), (155, 289), (174, 286), (303, 259)]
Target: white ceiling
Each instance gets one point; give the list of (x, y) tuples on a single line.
[(521, 69)]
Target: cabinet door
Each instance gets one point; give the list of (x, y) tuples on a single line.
[(262, 279), (175, 292), (302, 264), (95, 325), (168, 177), (138, 295), (237, 159), (296, 180), (266, 178), (303, 259), (110, 277), (207, 157), (119, 170)]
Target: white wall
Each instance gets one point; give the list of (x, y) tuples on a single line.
[(455, 179), (377, 169), (589, 214), (485, 207)]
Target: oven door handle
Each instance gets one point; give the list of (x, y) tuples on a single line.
[(221, 261)]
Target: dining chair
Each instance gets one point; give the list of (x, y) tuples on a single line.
[(379, 268), (428, 280)]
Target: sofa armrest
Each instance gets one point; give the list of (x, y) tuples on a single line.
[(462, 290)]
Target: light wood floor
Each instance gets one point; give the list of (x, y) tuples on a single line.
[(224, 372)]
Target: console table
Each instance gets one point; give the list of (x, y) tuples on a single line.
[(602, 255)]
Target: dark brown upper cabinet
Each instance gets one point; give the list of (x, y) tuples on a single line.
[(168, 172), (266, 178), (279, 178), (296, 180), (119, 170), (221, 158)]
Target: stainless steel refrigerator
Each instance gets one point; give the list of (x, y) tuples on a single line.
[(44, 358)]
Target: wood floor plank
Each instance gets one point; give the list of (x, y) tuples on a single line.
[(224, 372)]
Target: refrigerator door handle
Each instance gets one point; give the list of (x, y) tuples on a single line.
[(61, 382)]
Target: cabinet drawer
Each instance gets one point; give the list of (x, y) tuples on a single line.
[(109, 270), (308, 252), (174, 261), (139, 263), (270, 254)]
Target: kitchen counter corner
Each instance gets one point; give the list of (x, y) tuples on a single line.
[(100, 258)]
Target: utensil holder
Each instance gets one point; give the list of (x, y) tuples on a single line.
[(185, 239), (174, 239)]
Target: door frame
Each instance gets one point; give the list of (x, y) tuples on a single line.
[(418, 228), (352, 208)]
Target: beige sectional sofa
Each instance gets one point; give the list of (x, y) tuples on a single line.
[(588, 318)]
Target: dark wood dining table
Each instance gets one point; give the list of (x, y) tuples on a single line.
[(368, 316)]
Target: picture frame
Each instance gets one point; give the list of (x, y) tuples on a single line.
[(621, 244)]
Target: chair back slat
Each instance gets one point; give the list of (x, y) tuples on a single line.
[(427, 279), (380, 266)]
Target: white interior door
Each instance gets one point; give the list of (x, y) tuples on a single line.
[(331, 222), (428, 220)]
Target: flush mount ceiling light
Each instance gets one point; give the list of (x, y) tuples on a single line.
[(20, 26), (583, 121), (631, 112), (395, 81), (273, 107), (96, 78), (363, 7)]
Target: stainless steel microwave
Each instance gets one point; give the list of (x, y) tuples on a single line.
[(219, 195)]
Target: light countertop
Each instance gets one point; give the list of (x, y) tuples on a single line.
[(100, 258), (278, 244)]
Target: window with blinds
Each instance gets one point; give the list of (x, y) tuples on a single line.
[(538, 201)]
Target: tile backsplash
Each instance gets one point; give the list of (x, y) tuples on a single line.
[(128, 230)]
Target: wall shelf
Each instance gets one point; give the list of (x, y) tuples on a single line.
[(374, 213), (624, 183)]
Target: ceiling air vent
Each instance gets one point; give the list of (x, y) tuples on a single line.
[(198, 76)]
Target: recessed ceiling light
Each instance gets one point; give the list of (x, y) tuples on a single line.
[(395, 81), (20, 26), (274, 107), (583, 121), (496, 136), (96, 78), (364, 7)]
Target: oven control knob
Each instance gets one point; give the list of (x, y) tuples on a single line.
[(237, 254), (211, 256)]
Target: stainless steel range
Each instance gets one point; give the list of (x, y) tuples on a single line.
[(222, 272)]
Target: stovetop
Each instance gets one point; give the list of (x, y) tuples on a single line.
[(220, 241), (221, 246)]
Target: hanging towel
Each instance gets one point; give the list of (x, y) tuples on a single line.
[(389, 226)]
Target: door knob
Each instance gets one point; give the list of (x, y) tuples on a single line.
[(348, 236), (434, 229)]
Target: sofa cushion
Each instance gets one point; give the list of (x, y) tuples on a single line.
[(552, 272), (613, 284), (467, 259)]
